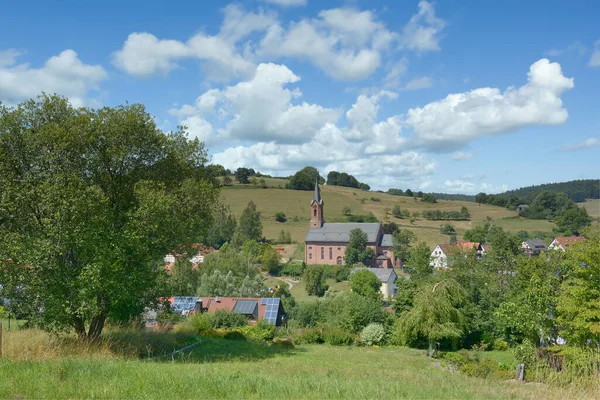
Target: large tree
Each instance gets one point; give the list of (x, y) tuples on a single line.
[(249, 226), (357, 250), (90, 201), (365, 283), (304, 179)]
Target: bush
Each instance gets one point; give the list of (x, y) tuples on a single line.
[(280, 217), (352, 312), (292, 269), (470, 363), (526, 353), (234, 335), (375, 199), (338, 337), (261, 331), (373, 334), (283, 343), (500, 345), (310, 336), (200, 324), (227, 320)]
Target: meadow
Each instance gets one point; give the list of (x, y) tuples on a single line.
[(592, 206), (296, 206), (217, 368)]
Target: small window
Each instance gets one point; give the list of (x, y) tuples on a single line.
[(310, 247), (314, 212), (310, 256), (339, 260), (330, 253), (322, 253)]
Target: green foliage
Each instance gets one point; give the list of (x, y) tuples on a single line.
[(315, 280), (365, 283), (242, 175), (229, 285), (500, 345), (222, 319), (526, 353), (403, 240), (337, 337), (352, 312), (310, 336), (436, 215), (370, 217), (436, 313), (183, 279), (471, 363), (343, 179), (429, 198), (280, 217), (404, 297), (85, 197), (373, 334), (573, 221), (356, 250), (346, 211), (285, 237), (309, 314), (249, 226), (222, 230), (234, 335), (576, 190), (390, 227), (397, 211), (293, 269), (304, 179), (447, 229), (269, 258)]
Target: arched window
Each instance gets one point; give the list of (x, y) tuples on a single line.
[(310, 256), (322, 253), (339, 261), (314, 212)]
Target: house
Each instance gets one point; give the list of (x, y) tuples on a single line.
[(198, 258), (269, 309), (387, 277), (439, 255), (563, 242), (533, 247), (325, 242)]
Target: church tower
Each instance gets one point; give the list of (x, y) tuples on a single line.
[(316, 208)]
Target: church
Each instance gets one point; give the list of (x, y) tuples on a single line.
[(326, 242)]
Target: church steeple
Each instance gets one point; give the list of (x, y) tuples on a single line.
[(316, 208)]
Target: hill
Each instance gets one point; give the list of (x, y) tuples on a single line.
[(577, 190), (296, 206)]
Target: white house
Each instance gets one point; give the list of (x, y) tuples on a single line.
[(439, 256), (562, 242), (387, 277)]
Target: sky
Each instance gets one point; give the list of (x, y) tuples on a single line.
[(450, 96)]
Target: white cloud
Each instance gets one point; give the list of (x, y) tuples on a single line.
[(287, 3), (474, 176), (395, 71), (64, 74), (423, 82), (8, 57), (144, 55), (595, 59), (199, 128), (459, 118), (423, 31), (490, 188), (577, 47), (586, 144), (459, 186), (461, 156)]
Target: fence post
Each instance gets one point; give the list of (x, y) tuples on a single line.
[(521, 372)]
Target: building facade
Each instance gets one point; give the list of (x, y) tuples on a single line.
[(325, 242)]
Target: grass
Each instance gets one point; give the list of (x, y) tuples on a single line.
[(592, 206), (237, 369), (15, 325), (296, 206)]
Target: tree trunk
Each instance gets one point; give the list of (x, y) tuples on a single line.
[(96, 327), (431, 348), (80, 328)]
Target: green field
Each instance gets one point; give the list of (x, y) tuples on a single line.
[(592, 206), (296, 204), (218, 368), (15, 325)]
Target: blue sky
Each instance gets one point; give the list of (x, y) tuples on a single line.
[(450, 96)]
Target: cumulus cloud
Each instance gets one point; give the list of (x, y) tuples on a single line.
[(459, 118), (144, 55), (461, 156), (586, 144), (423, 31), (459, 186), (595, 59), (490, 188), (287, 3), (64, 74)]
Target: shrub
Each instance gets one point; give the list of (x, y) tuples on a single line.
[(200, 323), (500, 345), (280, 217), (346, 210), (372, 334), (283, 343), (338, 337), (292, 269), (375, 199), (310, 336), (227, 320), (352, 312), (525, 353), (234, 335), (261, 331)]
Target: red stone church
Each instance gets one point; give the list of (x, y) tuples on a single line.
[(326, 242)]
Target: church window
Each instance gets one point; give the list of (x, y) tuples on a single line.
[(322, 253), (314, 212), (330, 253), (310, 256), (339, 260)]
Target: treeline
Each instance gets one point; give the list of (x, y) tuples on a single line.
[(576, 190), (436, 215), (453, 196), (343, 179)]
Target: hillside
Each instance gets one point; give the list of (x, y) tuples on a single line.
[(577, 190), (295, 204)]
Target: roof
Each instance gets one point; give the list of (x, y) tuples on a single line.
[(246, 307), (267, 308), (340, 231), (535, 243), (317, 195), (387, 240), (567, 241), (486, 247), (383, 274), (467, 246)]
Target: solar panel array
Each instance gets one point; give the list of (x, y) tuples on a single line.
[(183, 303), (272, 309)]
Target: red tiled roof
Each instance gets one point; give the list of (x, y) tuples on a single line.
[(467, 246), (228, 303), (565, 241)]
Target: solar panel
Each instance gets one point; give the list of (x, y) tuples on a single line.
[(183, 303), (272, 309)]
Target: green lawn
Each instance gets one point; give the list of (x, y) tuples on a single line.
[(237, 369)]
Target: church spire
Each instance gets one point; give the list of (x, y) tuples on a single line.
[(317, 195)]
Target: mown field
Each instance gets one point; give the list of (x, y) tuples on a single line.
[(592, 206), (296, 206), (224, 369)]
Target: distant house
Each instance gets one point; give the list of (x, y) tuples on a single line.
[(268, 309), (533, 247), (439, 255), (386, 276), (198, 258), (563, 242)]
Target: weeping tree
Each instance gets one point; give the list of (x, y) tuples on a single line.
[(436, 314), (90, 201)]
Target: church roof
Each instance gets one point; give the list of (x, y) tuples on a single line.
[(340, 232), (317, 195), (387, 240)]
